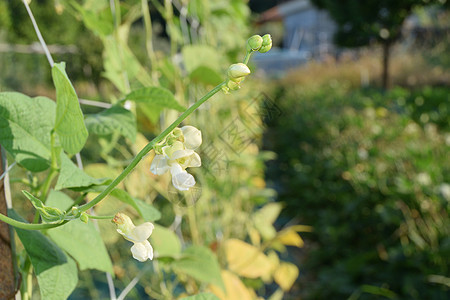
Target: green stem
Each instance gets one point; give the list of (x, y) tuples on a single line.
[(247, 57), (149, 147), (100, 217), (53, 169), (47, 183), (149, 38), (28, 226), (169, 19)]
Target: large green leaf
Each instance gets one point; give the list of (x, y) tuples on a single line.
[(202, 296), (70, 176), (122, 67), (206, 75), (82, 241), (195, 56), (200, 263), (56, 272), (69, 123), (100, 22), (165, 242), (114, 119), (147, 211), (155, 97), (25, 126)]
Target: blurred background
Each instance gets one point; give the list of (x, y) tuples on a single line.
[(343, 127)]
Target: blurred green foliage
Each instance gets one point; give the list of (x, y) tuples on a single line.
[(219, 236), (370, 172)]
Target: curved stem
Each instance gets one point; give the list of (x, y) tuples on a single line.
[(149, 147), (28, 226), (247, 57)]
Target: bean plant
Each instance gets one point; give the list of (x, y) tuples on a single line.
[(190, 230)]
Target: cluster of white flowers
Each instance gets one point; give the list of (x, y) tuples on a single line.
[(176, 153), (141, 250)]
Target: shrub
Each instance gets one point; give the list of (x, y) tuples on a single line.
[(374, 184)]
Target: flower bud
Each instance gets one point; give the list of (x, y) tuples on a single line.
[(237, 72), (75, 212), (84, 218), (254, 43), (266, 44), (123, 222)]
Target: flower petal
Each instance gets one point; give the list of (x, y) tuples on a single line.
[(169, 150), (192, 137), (159, 165), (142, 251), (181, 179), (181, 154), (193, 160), (141, 233)]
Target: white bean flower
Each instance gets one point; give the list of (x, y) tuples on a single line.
[(177, 157), (192, 137), (141, 250)]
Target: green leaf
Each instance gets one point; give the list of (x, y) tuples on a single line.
[(165, 242), (100, 23), (121, 65), (114, 119), (49, 214), (25, 126), (56, 273), (69, 123), (155, 98), (200, 263), (82, 241), (202, 296), (72, 177), (195, 56), (147, 211), (205, 75)]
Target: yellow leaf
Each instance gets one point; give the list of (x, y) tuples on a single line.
[(246, 260), (275, 263), (235, 288), (289, 237), (302, 228), (264, 218), (255, 237), (269, 212), (285, 275)]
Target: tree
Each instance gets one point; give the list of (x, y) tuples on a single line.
[(362, 22)]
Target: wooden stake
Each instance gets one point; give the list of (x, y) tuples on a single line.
[(7, 282)]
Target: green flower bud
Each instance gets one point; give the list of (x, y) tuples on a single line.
[(75, 212), (254, 43), (123, 222), (237, 72), (266, 44), (84, 218)]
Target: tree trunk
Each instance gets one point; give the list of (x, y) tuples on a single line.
[(7, 282), (385, 74)]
